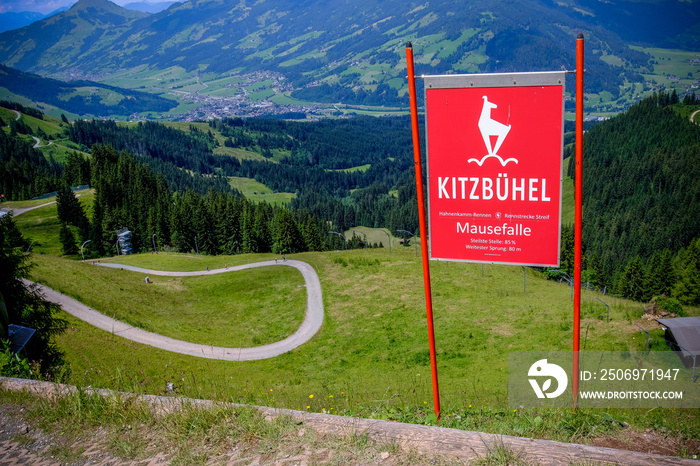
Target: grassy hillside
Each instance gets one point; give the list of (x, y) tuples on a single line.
[(85, 98), (256, 191), (227, 59), (221, 310), (373, 338), (370, 358), (41, 226), (50, 132), (372, 349)]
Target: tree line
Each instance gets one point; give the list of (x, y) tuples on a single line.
[(129, 195), (641, 197), (641, 187), (24, 171), (312, 153)]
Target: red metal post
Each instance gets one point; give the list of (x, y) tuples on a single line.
[(423, 229), (579, 207)]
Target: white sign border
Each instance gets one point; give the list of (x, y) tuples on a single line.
[(486, 80)]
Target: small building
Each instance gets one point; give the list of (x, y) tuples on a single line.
[(683, 336)]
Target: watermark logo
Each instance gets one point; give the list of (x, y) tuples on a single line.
[(542, 368)]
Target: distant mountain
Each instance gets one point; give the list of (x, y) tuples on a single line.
[(148, 7), (86, 26), (12, 20), (81, 97), (353, 47), (662, 23)]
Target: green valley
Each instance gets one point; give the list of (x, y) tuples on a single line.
[(212, 135), (211, 61)]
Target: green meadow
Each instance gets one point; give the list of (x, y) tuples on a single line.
[(197, 309), (371, 356), (41, 225), (58, 147), (258, 192), (360, 168), (374, 335)]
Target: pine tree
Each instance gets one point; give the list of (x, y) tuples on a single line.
[(204, 226), (567, 250), (662, 276), (261, 227), (76, 170), (25, 305), (67, 238), (249, 245), (687, 287), (69, 208), (674, 97), (286, 237), (312, 235), (633, 282)]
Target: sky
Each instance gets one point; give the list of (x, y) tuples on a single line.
[(47, 6)]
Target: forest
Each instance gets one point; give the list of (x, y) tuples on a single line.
[(641, 189), (313, 155), (641, 197), (24, 172), (129, 195)]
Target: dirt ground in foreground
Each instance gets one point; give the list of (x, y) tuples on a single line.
[(22, 443), (650, 442)]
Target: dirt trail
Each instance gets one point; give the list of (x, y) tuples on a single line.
[(308, 328)]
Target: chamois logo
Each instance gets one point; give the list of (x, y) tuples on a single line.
[(543, 369), (492, 128)]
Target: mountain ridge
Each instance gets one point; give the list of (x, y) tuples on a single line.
[(345, 45), (81, 97), (148, 7), (13, 20)]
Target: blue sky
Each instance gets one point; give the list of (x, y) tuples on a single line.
[(47, 6)]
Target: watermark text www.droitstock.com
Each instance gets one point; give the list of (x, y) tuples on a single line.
[(605, 380)]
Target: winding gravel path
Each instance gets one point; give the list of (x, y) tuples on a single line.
[(38, 145), (692, 117), (311, 324), (20, 211)]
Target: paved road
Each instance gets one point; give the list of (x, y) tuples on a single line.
[(311, 324), (16, 212)]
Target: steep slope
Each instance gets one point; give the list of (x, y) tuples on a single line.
[(60, 40), (81, 97), (641, 188)]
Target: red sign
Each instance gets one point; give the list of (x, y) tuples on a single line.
[(495, 167)]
